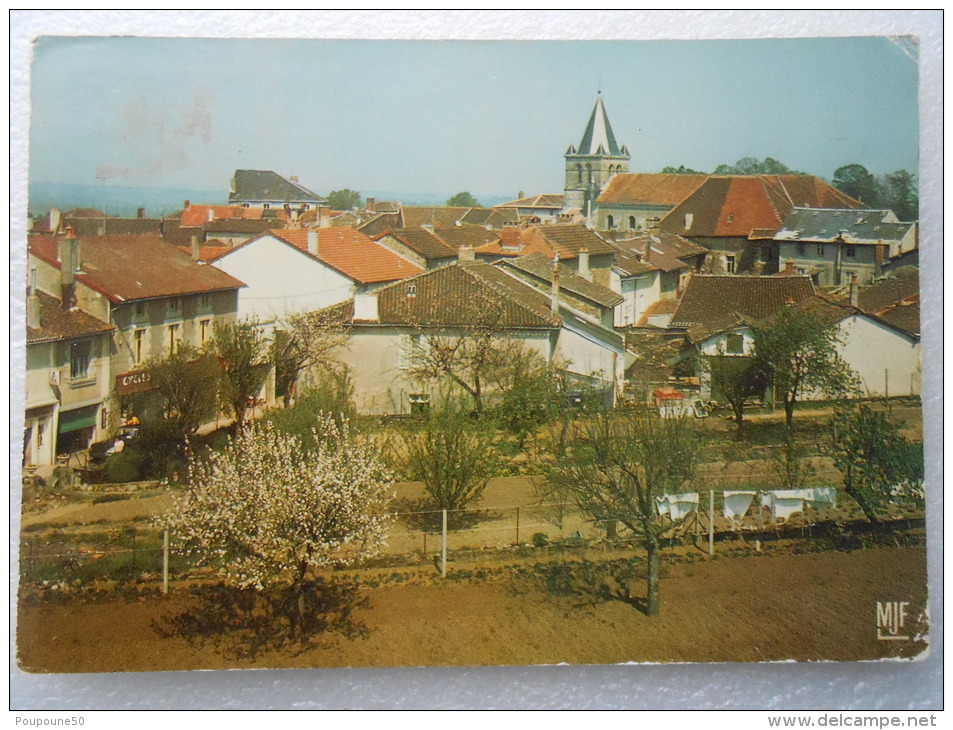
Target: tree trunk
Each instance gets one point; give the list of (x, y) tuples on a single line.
[(789, 412), (652, 582)]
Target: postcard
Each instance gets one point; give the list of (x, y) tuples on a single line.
[(408, 353)]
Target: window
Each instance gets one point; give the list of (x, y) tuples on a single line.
[(731, 217), (412, 292), (79, 360), (205, 300), (266, 206), (138, 346), (820, 249), (419, 403), (850, 251), (175, 337), (735, 344), (730, 264), (610, 221), (140, 309), (205, 329), (174, 304), (801, 248), (410, 346), (632, 225)]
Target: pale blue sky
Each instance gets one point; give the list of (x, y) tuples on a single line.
[(442, 116)]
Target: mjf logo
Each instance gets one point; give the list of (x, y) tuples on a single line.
[(890, 619)]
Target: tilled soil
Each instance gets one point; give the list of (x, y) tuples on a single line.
[(749, 607)]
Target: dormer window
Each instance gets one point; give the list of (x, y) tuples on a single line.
[(731, 217), (689, 219)]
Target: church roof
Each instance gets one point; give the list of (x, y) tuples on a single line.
[(598, 138)]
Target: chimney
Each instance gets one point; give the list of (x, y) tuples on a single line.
[(196, 256), (186, 204), (466, 253), (323, 216), (365, 308), (555, 291), (313, 242), (584, 264), (854, 291), (211, 214), (371, 204), (55, 220), (294, 178), (520, 195), (789, 267), (33, 304), (69, 265), (141, 213)]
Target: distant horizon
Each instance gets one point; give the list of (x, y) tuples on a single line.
[(453, 116)]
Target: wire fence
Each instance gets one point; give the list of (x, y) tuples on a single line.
[(427, 536)]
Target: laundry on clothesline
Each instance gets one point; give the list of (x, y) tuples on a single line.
[(736, 504), (682, 505)]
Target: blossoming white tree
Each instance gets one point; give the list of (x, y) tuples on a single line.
[(269, 511)]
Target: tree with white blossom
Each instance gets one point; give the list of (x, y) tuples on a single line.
[(270, 512)]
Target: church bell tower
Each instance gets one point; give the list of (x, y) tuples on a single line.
[(590, 166)]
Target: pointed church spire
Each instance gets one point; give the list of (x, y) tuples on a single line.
[(598, 133)]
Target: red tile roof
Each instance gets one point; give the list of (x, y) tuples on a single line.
[(198, 215), (735, 205), (463, 294), (651, 189), (57, 323), (124, 268), (353, 254), (713, 303)]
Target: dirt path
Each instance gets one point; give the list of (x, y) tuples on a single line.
[(819, 606)]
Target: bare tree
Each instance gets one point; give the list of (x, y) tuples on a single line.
[(616, 466), (303, 341)]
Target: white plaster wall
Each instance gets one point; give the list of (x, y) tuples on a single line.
[(281, 279), (887, 361), (581, 355)]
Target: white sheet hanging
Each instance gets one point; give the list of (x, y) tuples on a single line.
[(737, 504), (662, 504), (785, 502), (682, 505), (821, 497)]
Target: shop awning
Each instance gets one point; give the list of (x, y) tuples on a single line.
[(76, 419)]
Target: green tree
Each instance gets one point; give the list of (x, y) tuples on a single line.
[(754, 166), (344, 199), (451, 453), (899, 194), (617, 465), (184, 391), (736, 379), (800, 355), (681, 170), (242, 352), (463, 200), (855, 180), (872, 456)]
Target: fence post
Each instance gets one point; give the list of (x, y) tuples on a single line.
[(443, 548), (165, 561), (517, 526), (711, 521)]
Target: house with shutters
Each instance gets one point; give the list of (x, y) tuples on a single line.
[(833, 246), (269, 191), (304, 270), (68, 378), (153, 295), (736, 217), (388, 326)]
